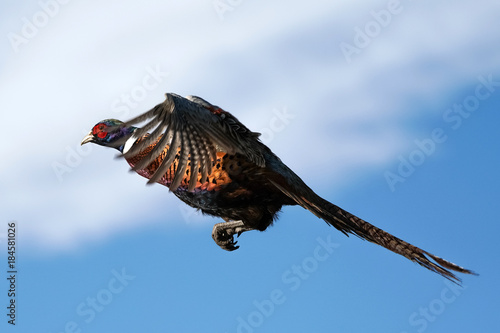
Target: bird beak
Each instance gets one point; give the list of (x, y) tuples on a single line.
[(88, 138)]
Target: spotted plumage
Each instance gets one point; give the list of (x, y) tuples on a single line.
[(214, 163)]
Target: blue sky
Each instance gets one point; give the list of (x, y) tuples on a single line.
[(348, 94)]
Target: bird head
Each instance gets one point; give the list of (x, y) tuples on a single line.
[(109, 133)]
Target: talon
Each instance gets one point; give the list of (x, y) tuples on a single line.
[(223, 234)]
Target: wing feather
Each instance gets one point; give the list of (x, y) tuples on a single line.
[(194, 129), (183, 161), (158, 149), (167, 161)]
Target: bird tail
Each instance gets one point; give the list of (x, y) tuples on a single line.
[(348, 223)]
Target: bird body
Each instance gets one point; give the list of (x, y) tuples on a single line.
[(235, 188), (213, 163)]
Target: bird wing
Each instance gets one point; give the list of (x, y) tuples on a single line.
[(194, 130)]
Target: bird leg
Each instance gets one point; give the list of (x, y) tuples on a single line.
[(222, 233)]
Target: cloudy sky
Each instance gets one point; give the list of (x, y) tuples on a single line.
[(387, 108)]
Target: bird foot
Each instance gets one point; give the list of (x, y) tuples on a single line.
[(223, 234)]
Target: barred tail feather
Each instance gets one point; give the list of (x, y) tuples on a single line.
[(351, 224)]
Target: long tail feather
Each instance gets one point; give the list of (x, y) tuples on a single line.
[(351, 224)]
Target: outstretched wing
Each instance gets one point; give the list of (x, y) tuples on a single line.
[(194, 130)]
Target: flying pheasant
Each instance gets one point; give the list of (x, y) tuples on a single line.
[(212, 162)]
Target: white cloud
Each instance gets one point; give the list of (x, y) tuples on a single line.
[(263, 56)]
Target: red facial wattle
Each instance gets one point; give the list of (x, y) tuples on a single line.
[(99, 131)]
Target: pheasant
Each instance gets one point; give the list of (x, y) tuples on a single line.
[(214, 163)]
